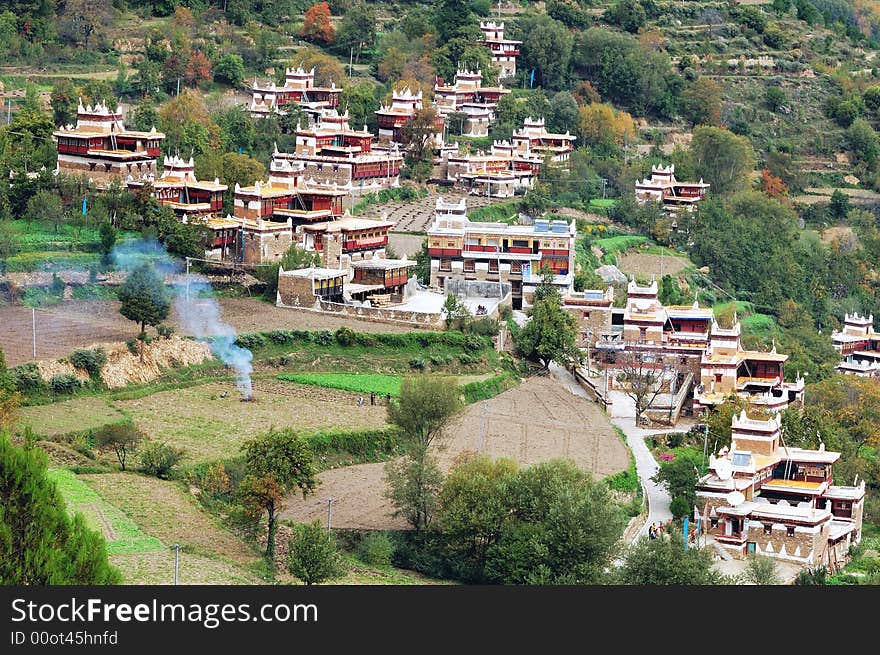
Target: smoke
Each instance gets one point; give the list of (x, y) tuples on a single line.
[(198, 311)]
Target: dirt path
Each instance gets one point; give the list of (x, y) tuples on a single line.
[(73, 324), (537, 421)]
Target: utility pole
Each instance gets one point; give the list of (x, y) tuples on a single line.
[(34, 326), (187, 278), (350, 55), (705, 441), (178, 86), (176, 548), (604, 181), (329, 512)]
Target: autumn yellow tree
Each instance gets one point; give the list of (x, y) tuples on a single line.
[(600, 125), (317, 27), (771, 185), (327, 69)]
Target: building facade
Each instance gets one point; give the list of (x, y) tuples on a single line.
[(504, 51), (178, 188), (467, 95), (766, 498), (393, 118), (859, 346), (298, 88), (101, 148), (674, 196), (496, 252)]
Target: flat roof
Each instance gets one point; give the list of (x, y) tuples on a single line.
[(345, 224), (380, 263), (315, 273), (836, 492)]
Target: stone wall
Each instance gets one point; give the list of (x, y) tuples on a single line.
[(477, 288), (261, 248), (373, 314), (295, 291)]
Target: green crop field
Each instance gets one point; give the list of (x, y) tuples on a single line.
[(620, 243), (362, 383), (122, 534)]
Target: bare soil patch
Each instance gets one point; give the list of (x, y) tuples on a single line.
[(537, 421), (643, 264), (73, 324)]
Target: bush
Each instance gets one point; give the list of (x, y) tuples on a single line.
[(376, 549), (250, 341), (64, 384), (505, 312), (485, 389), (474, 343), (280, 337), (132, 346), (89, 360), (346, 337), (417, 363), (487, 327), (158, 459), (323, 337), (28, 378), (165, 331)]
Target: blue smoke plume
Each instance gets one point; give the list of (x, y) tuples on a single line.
[(197, 309)]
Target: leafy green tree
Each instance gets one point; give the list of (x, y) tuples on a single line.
[(64, 102), (550, 334), (108, 240), (422, 268), (276, 464), (627, 14), (123, 438), (546, 47), (450, 18), (863, 141), (46, 207), (356, 31), (680, 478), (294, 259), (775, 98), (413, 487), (666, 562), (312, 554), (230, 69), (723, 159), (359, 100), (424, 408), (563, 116), (701, 102), (144, 299), (456, 312), (39, 543)]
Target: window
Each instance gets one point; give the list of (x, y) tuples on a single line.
[(469, 265), (768, 528), (789, 530), (445, 264), (713, 522)]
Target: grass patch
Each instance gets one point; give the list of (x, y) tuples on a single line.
[(620, 243), (367, 383), (50, 261), (62, 417), (122, 534), (602, 203), (505, 212), (485, 389)]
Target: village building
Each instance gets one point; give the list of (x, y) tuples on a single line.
[(178, 188), (299, 88), (332, 154), (764, 497), (504, 51), (859, 346), (393, 118), (305, 286), (461, 249), (467, 95), (502, 172), (345, 240), (101, 148), (674, 196), (533, 138)]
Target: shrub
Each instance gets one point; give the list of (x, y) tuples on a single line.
[(474, 343), (487, 327), (440, 360), (505, 312), (132, 346), (376, 549), (64, 383), (28, 378), (250, 341), (158, 459), (674, 439), (417, 363), (165, 331), (280, 337), (89, 360), (485, 389), (323, 337), (346, 337)]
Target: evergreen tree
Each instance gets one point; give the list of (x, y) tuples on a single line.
[(144, 299), (39, 543)]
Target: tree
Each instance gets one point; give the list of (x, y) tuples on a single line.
[(771, 185), (762, 570), (641, 379), (312, 554), (564, 114), (356, 31), (82, 19), (230, 69), (294, 259), (456, 312), (701, 102), (722, 158), (198, 69), (422, 268), (144, 299), (602, 126), (550, 335), (124, 438), (276, 463), (839, 204), (863, 141), (317, 27), (108, 241), (359, 100), (9, 398), (39, 543), (424, 408), (413, 487), (417, 134), (451, 17), (64, 102), (46, 207), (775, 98), (627, 14), (546, 47), (666, 562), (680, 479)]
